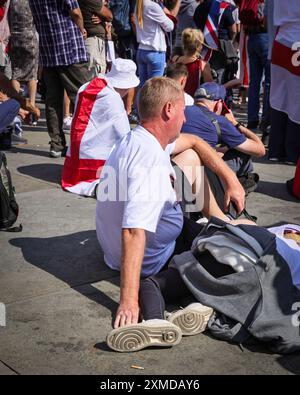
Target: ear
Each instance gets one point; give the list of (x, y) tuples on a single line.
[(167, 110)]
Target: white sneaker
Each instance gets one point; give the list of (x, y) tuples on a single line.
[(67, 123), (148, 333), (192, 319)]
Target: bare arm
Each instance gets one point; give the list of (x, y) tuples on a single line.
[(76, 16), (105, 14), (253, 145), (206, 73), (133, 243), (233, 190), (6, 87)]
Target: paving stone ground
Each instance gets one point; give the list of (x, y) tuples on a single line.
[(60, 296)]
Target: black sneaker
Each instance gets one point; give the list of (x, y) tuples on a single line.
[(5, 139), (249, 182), (55, 153)]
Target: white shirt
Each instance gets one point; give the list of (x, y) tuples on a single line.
[(152, 36), (141, 196), (287, 17), (188, 99)]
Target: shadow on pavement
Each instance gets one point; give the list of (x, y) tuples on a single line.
[(76, 259), (29, 151), (50, 172), (275, 190)]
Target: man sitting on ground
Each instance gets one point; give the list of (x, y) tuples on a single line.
[(139, 220), (205, 119), (100, 120)]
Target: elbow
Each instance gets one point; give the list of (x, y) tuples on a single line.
[(261, 151)]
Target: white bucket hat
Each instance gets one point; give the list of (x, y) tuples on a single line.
[(123, 74)]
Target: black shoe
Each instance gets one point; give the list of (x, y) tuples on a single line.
[(252, 124), (265, 138), (55, 153), (5, 139), (249, 182)]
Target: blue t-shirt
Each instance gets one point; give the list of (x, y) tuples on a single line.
[(198, 123)]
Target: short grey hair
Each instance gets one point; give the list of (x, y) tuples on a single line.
[(155, 94)]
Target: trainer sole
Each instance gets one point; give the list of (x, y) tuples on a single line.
[(190, 321), (137, 337)]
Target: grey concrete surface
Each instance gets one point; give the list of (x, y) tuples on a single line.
[(60, 296)]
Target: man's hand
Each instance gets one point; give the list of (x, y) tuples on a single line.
[(3, 97), (127, 313), (96, 20), (26, 105), (235, 193)]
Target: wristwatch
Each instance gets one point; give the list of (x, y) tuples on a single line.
[(239, 124)]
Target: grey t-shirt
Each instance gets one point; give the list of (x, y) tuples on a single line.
[(185, 18)]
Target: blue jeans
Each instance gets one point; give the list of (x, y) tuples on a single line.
[(8, 111), (258, 45), (150, 64)]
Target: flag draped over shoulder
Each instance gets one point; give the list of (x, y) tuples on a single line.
[(212, 25), (100, 120)]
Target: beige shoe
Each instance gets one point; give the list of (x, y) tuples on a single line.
[(192, 319), (135, 337)]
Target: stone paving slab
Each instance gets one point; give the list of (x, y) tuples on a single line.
[(60, 296)]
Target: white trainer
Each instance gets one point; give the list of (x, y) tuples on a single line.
[(148, 333), (192, 319)]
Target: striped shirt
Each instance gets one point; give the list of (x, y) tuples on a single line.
[(61, 42)]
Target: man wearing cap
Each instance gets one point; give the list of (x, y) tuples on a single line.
[(237, 143), (100, 120)]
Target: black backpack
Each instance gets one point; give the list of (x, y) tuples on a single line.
[(9, 208)]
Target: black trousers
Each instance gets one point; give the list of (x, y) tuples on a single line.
[(167, 286), (58, 79)]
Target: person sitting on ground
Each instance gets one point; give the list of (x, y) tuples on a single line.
[(138, 215), (205, 120), (198, 70), (179, 73), (100, 120), (12, 104)]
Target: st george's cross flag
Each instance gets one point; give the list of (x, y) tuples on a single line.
[(100, 120)]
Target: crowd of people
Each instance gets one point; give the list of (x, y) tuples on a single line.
[(177, 68)]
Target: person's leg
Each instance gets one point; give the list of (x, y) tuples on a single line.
[(54, 108), (156, 62), (32, 88), (67, 113), (277, 139), (189, 162), (166, 286), (256, 72), (239, 162), (16, 84), (8, 111), (142, 66), (292, 142), (73, 77)]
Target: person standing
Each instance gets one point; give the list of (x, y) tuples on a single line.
[(151, 25), (284, 144), (64, 60), (96, 32)]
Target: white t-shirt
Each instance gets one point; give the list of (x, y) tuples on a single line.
[(139, 195), (155, 22), (188, 99), (287, 17)]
